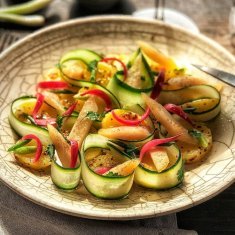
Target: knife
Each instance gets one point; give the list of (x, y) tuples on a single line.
[(219, 74)]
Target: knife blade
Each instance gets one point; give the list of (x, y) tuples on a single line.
[(219, 74)]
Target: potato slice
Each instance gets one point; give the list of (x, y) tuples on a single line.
[(104, 159), (76, 69), (82, 125), (27, 161), (166, 119), (125, 168), (61, 146), (125, 132), (160, 158), (192, 154)]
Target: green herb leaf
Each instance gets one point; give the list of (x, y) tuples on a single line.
[(59, 121), (199, 136), (180, 174), (129, 149), (50, 151), (111, 174), (92, 68), (94, 116)]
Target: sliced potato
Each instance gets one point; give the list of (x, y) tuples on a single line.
[(61, 146), (160, 158), (101, 158), (125, 168), (192, 154), (76, 69), (82, 125), (166, 119), (125, 132), (27, 161)]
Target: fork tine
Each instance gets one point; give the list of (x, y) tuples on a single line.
[(7, 39), (4, 37), (156, 9), (159, 9)]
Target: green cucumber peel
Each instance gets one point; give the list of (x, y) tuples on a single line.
[(18, 145), (25, 150), (190, 110), (111, 174)]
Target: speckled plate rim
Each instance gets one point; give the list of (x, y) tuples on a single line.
[(129, 19)]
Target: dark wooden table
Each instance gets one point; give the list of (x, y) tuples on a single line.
[(215, 216)]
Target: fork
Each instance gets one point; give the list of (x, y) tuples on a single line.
[(159, 9)]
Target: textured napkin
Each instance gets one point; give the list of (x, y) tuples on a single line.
[(20, 216)]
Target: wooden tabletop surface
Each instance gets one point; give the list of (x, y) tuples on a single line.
[(215, 216)]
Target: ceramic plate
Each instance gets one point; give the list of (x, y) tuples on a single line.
[(26, 60)]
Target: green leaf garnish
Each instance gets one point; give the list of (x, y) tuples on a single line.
[(92, 68), (199, 136), (94, 116), (50, 150), (180, 174), (129, 149), (111, 174), (59, 121)]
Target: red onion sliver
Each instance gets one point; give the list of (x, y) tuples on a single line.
[(39, 103), (53, 85), (74, 153), (102, 170), (158, 85), (39, 145), (44, 122), (131, 122), (172, 108), (70, 110), (148, 146)]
